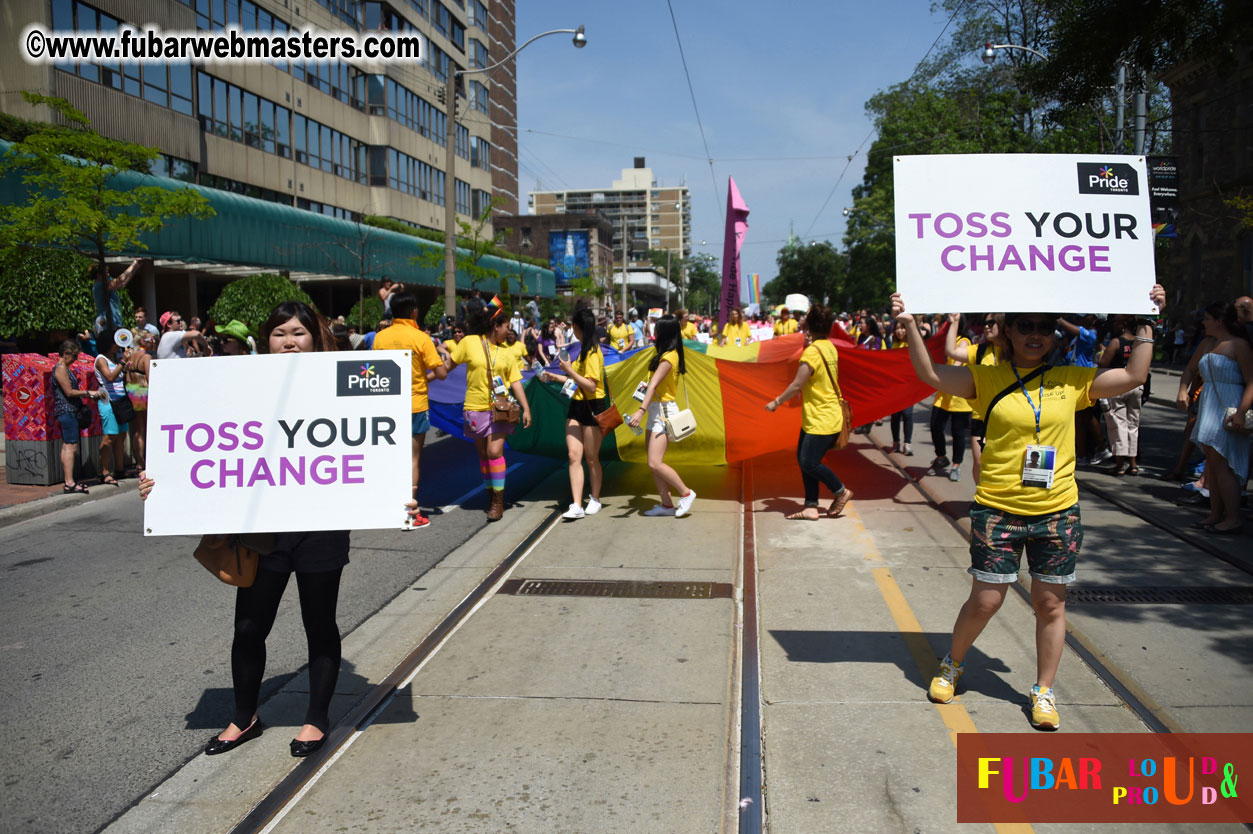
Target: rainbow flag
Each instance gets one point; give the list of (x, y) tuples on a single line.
[(754, 288), (726, 387)]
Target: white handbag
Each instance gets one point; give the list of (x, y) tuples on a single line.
[(1232, 411), (683, 424)]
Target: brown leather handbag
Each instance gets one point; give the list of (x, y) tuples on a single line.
[(610, 417), (504, 409), (233, 559)]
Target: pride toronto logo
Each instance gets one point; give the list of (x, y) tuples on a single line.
[(1108, 178), (365, 379)]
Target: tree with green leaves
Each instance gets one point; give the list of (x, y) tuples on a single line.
[(43, 290), (69, 171), (816, 269), (476, 243), (253, 298)]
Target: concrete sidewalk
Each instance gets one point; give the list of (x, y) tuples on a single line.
[(575, 714)]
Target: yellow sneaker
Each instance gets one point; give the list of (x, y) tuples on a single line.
[(1044, 709), (944, 684)]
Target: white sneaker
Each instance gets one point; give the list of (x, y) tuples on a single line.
[(593, 507), (955, 474), (575, 511), (1101, 456), (685, 504), (660, 510)]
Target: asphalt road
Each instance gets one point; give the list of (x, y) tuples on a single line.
[(115, 648)]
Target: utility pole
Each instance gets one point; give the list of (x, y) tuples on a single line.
[(624, 259), (669, 282), (1141, 106), (1120, 106), (450, 195)]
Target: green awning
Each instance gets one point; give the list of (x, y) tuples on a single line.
[(249, 232)]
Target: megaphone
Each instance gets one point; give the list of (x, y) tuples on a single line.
[(124, 339)]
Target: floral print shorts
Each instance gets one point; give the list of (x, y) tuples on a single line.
[(997, 539)]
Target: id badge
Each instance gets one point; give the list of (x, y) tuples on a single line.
[(622, 344), (739, 342), (1038, 465), (568, 389), (498, 386), (640, 391)]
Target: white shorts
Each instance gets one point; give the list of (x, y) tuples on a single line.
[(657, 412)]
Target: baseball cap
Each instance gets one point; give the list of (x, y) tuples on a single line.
[(165, 318)]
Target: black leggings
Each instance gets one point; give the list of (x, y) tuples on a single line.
[(961, 432), (906, 417), (255, 609)]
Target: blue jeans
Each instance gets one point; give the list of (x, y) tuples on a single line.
[(809, 451)]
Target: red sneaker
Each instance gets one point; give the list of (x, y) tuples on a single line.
[(418, 522)]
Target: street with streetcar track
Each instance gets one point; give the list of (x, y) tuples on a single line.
[(607, 699)]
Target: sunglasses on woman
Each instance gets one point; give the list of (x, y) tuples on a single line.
[(1026, 327)]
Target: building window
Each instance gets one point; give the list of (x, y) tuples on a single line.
[(478, 96), (481, 200), (458, 35), (227, 111), (173, 167), (478, 14), (478, 54), (246, 189), (328, 210), (480, 153), (463, 142), (463, 197)]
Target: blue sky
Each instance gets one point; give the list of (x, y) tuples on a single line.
[(772, 81)]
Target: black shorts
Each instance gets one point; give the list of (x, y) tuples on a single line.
[(584, 411)]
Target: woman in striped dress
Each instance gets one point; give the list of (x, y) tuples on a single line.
[(1227, 373)]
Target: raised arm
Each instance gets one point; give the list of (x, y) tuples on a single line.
[(950, 340), (951, 379), (1110, 382)]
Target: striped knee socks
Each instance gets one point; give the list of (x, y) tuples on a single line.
[(494, 473)]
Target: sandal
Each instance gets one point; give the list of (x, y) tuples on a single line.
[(73, 488), (840, 502), (108, 480), (1133, 470)]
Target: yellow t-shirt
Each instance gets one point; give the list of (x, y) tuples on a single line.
[(619, 335), (739, 331), (1066, 390), (947, 401), (688, 331), (668, 389), (480, 367), (518, 349), (991, 356), (404, 334), (592, 368), (782, 328), (820, 412)]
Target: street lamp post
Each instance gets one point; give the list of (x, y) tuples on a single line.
[(989, 56), (450, 155)]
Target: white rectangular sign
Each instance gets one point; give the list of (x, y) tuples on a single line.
[(1029, 233), (277, 443)]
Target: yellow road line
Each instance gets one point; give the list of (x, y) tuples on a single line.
[(954, 715)]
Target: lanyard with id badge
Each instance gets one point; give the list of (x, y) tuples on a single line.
[(1039, 462)]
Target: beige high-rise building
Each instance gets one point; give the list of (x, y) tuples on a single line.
[(654, 216), (344, 139)]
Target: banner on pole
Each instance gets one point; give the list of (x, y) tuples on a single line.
[(1024, 233), (278, 443)]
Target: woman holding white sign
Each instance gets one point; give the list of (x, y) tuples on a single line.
[(491, 414), (317, 559), (1026, 497)]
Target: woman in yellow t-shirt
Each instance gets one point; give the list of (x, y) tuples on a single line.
[(687, 328), (948, 410), (1026, 498), (589, 398), (661, 401), (736, 331), (492, 370), (822, 419)]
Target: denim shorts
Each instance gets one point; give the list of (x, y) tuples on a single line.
[(997, 539), (421, 423), (69, 428)]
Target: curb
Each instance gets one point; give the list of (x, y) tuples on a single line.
[(17, 513)]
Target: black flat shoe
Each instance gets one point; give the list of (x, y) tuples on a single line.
[(217, 745), (300, 749)]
